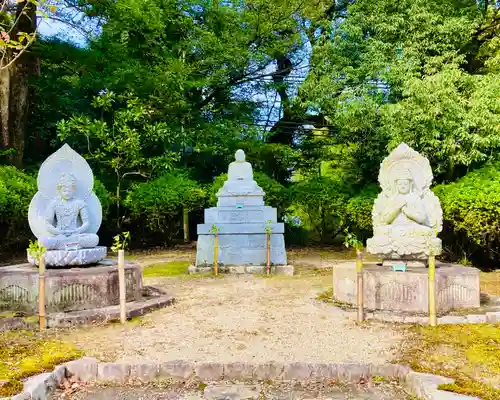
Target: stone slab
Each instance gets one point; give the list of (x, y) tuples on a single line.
[(246, 214), (284, 270), (240, 229), (67, 289), (457, 287), (241, 249), (69, 258)]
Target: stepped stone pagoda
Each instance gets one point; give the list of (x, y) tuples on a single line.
[(241, 219)]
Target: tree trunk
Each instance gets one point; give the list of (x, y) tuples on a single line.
[(14, 89)]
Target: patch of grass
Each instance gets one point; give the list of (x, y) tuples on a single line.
[(172, 268), (470, 354), (26, 353)]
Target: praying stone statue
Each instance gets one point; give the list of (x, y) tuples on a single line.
[(65, 214), (407, 216)]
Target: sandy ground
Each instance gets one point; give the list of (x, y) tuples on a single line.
[(242, 318)]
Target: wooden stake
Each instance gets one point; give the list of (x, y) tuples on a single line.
[(216, 254), (185, 222), (432, 291), (121, 280), (359, 274), (268, 241), (41, 292)]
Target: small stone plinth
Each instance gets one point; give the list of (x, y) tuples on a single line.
[(285, 270), (69, 258), (456, 287), (68, 289)]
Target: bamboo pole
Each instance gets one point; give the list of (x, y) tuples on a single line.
[(185, 223), (216, 254), (359, 274), (41, 292), (121, 280), (268, 241), (432, 291)]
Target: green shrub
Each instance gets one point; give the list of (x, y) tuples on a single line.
[(320, 203), (359, 211), (158, 204), (471, 213), (104, 197), (276, 195), (16, 190)]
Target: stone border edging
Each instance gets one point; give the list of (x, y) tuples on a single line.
[(91, 316), (490, 317), (87, 369)]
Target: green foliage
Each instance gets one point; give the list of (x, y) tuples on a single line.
[(414, 71), (121, 241), (159, 203), (104, 197), (351, 240), (16, 191), (322, 201), (214, 229), (471, 207), (35, 250), (359, 211)]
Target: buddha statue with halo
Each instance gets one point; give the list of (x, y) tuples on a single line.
[(65, 214), (72, 219), (407, 216)]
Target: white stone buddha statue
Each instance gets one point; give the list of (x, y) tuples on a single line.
[(240, 170), (240, 178), (71, 216), (406, 216)]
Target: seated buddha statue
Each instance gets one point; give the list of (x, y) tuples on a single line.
[(240, 170), (406, 216), (71, 218), (240, 177)]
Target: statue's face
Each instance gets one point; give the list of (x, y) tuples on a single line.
[(66, 191), (403, 186)]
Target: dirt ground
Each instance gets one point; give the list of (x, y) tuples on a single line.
[(242, 318)]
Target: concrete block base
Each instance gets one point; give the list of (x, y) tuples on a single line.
[(285, 270), (456, 287)]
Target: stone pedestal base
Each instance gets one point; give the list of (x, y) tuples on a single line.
[(67, 258), (68, 289), (286, 270), (456, 287)]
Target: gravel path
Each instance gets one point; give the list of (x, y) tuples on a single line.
[(242, 318)]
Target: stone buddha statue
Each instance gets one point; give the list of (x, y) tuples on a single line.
[(406, 216), (240, 178), (240, 170), (71, 216), (65, 214)]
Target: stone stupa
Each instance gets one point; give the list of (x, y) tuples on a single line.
[(241, 218)]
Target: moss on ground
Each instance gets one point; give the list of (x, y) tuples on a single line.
[(25, 353), (173, 268), (470, 354)]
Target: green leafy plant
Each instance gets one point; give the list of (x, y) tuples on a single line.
[(214, 229), (121, 241), (268, 229), (36, 250), (351, 240)]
